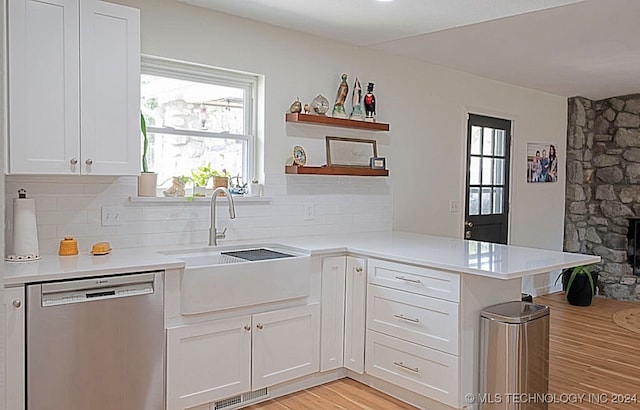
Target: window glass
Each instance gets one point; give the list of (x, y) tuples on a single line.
[(197, 117)]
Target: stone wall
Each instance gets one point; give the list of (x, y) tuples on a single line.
[(603, 187)]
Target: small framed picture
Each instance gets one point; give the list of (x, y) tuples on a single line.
[(378, 162)]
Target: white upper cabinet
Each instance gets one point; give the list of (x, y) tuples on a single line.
[(74, 88)]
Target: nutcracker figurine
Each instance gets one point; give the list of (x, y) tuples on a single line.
[(370, 104)]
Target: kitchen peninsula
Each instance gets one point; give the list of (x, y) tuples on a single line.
[(395, 310)]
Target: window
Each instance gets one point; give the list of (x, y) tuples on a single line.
[(197, 116)]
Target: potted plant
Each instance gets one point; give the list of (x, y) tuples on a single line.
[(579, 285), (201, 175), (147, 181)]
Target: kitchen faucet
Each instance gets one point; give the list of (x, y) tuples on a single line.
[(213, 232)]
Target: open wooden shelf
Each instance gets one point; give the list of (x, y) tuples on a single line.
[(335, 122), (350, 171)]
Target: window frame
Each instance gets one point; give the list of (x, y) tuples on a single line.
[(187, 71)]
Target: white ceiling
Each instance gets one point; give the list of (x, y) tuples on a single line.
[(589, 48)]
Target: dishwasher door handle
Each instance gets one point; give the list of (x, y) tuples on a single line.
[(90, 290)]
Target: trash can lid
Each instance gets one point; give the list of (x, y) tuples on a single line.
[(515, 312)]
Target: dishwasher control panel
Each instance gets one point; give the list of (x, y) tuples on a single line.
[(97, 289)]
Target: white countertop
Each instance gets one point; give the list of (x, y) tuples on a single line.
[(456, 255), (54, 267)]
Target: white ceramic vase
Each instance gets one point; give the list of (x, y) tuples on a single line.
[(147, 182)]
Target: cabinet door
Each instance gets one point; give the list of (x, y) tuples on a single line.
[(285, 345), (14, 360), (110, 89), (208, 361), (44, 111), (332, 317), (355, 308)]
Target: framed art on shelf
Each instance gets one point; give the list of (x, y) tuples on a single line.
[(350, 152)]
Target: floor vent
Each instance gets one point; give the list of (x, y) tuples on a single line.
[(254, 395), (240, 399), (231, 401)]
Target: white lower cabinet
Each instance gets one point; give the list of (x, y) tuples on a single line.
[(417, 368), (14, 359), (332, 313), (213, 360), (355, 314), (412, 329), (344, 287)]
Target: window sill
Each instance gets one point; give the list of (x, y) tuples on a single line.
[(204, 201)]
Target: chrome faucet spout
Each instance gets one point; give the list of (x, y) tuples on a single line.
[(214, 235)]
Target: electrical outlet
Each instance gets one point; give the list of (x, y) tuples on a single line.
[(309, 212), (111, 215), (453, 206)]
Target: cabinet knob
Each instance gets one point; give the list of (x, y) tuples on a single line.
[(259, 326), (16, 303), (73, 161), (247, 328), (358, 269), (89, 161)]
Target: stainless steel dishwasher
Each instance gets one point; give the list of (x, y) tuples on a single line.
[(96, 343)]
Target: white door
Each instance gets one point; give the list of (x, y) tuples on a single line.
[(44, 111), (14, 359), (332, 320), (208, 361), (110, 89), (355, 309), (286, 345)]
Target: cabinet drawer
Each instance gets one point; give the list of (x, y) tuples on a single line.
[(420, 319), (425, 281), (422, 370)]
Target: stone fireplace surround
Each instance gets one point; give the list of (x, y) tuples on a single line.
[(603, 187)]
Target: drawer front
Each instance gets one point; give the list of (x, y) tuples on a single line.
[(419, 369), (425, 281), (420, 319)]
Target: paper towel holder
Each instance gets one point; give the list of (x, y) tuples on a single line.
[(29, 252)]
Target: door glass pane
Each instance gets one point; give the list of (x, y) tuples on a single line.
[(486, 201), (487, 141), (476, 138), (499, 143), (474, 201), (487, 171), (497, 200), (498, 172), (474, 171)]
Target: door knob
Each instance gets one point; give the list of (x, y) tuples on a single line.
[(468, 224), (17, 303), (467, 235)]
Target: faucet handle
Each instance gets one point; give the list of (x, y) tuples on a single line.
[(221, 235)]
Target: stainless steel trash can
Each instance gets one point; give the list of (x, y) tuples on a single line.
[(514, 356)]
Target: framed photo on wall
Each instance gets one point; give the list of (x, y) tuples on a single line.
[(542, 162), (350, 152)]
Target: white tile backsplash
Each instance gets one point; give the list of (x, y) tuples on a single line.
[(71, 206)]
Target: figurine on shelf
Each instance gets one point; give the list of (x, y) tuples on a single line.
[(343, 90), (356, 99), (306, 109), (370, 104), (296, 106)]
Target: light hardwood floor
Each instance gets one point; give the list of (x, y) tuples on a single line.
[(589, 354)]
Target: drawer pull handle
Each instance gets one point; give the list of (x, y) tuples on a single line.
[(403, 317), (404, 366), (408, 280)]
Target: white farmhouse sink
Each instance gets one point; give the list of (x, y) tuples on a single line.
[(219, 278)]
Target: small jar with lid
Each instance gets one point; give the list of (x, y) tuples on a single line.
[(68, 246)]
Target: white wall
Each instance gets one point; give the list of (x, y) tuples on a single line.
[(424, 104)]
